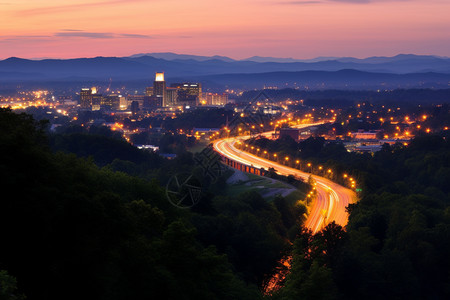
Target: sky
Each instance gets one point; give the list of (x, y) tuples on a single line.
[(235, 28)]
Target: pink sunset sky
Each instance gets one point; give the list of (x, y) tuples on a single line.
[(234, 28)]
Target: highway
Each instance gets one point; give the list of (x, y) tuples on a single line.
[(332, 198)]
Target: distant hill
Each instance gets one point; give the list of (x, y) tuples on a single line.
[(399, 71), (402, 63), (174, 56), (343, 79), (273, 59)]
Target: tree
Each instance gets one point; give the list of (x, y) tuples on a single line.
[(8, 287)]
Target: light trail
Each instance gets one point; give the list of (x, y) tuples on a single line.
[(332, 198)]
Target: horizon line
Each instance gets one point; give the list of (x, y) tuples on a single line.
[(325, 57)]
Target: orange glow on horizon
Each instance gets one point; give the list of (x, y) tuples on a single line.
[(82, 28)]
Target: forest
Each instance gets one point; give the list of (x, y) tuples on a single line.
[(397, 240), (333, 98), (84, 214)]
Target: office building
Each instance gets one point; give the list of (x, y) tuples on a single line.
[(189, 94), (140, 99), (149, 91), (111, 101), (97, 100), (171, 98), (86, 98), (214, 99), (134, 108), (159, 88)]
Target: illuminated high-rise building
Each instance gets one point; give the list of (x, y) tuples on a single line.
[(214, 99), (85, 98), (171, 97), (189, 94), (159, 88), (149, 91), (97, 100)]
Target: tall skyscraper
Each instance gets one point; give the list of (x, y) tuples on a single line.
[(171, 97), (159, 88), (85, 98)]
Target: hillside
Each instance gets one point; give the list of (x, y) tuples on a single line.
[(399, 71)]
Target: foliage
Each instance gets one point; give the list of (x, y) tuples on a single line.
[(251, 231), (343, 98), (396, 242), (70, 229), (205, 118), (8, 287)]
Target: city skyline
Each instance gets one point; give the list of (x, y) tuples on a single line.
[(237, 29)]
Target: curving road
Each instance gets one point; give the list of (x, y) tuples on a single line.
[(332, 198)]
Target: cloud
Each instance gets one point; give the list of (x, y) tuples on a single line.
[(356, 1), (366, 1), (10, 38), (71, 30), (340, 1), (84, 34), (135, 36), (71, 7), (69, 33), (299, 2)]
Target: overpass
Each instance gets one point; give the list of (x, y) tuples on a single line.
[(243, 167), (332, 198)]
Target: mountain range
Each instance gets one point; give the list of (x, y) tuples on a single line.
[(404, 70)]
